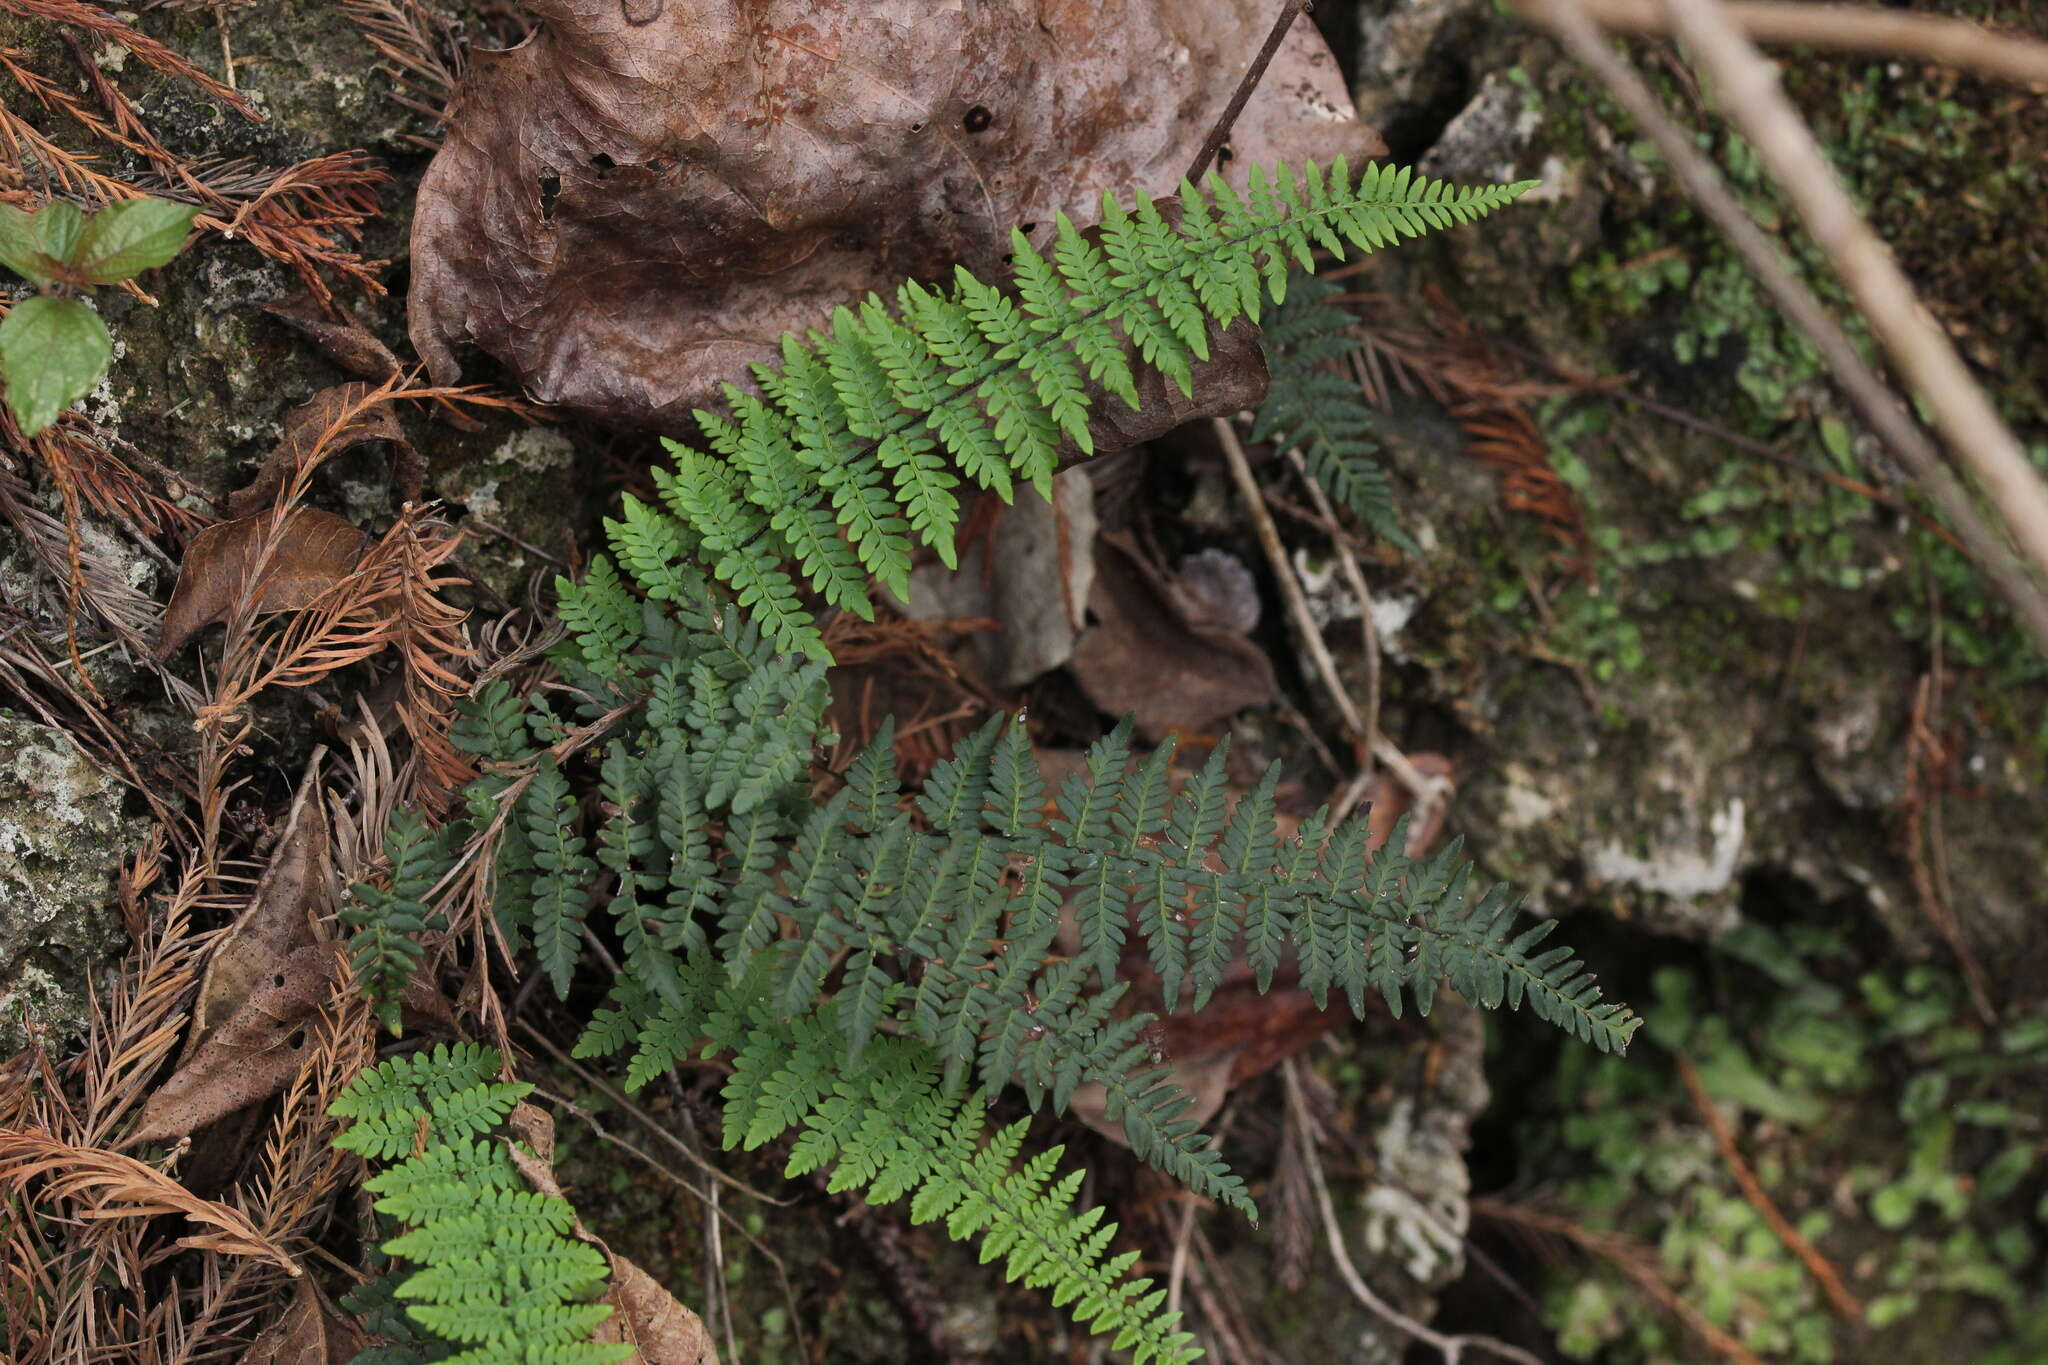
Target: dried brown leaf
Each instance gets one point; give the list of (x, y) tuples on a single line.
[(646, 1317), (311, 1332), (1153, 656), (347, 343), (634, 203), (295, 892), (108, 1185), (310, 554), (328, 423), (259, 1050)]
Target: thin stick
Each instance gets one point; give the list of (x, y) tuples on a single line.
[(1932, 38), (1451, 1348), (1426, 789), (1877, 404), (1824, 1274), (1348, 562), (1746, 88), (1219, 132)]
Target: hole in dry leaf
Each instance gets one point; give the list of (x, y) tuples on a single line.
[(277, 981), (977, 119), (1028, 229), (550, 190), (1224, 155), (917, 127), (603, 162), (297, 1040)]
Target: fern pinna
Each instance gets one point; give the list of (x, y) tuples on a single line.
[(493, 1274), (875, 962), (859, 439), (1318, 410)]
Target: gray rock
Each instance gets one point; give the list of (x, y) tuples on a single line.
[(62, 840)]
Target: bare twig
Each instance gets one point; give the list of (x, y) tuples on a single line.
[(1876, 32), (1219, 132), (1451, 1348), (1746, 88), (1877, 404), (1823, 1271)]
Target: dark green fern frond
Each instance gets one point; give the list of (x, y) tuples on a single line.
[(385, 949), (874, 425), (1318, 410), (491, 1266)]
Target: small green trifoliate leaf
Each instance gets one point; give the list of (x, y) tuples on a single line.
[(52, 351), (127, 238), (58, 225), (21, 244)]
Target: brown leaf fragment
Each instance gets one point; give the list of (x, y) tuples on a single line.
[(645, 1316), (295, 892), (226, 566), (323, 426), (631, 205), (311, 1332), (256, 1053), (653, 1321), (347, 343), (1153, 655)]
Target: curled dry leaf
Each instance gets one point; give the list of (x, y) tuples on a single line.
[(311, 1332), (105, 1184), (347, 343), (1031, 574), (225, 566), (634, 203), (645, 1316), (1154, 655), (323, 426), (255, 1053), (294, 894)]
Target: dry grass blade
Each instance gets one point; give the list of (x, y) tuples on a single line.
[(39, 1167)]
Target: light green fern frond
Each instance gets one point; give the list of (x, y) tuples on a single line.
[(874, 425), (491, 1265)]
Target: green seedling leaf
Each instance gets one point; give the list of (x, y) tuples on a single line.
[(51, 352), (58, 225), (127, 238), (21, 244)]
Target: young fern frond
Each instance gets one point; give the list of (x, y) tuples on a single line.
[(1318, 410), (492, 1266), (873, 425)]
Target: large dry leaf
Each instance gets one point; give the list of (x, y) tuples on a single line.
[(323, 426), (311, 1332), (645, 1316), (225, 566), (295, 892), (635, 202), (348, 343), (108, 1185), (1156, 654), (256, 1053)]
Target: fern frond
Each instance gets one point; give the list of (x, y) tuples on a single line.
[(385, 950), (1319, 411), (492, 1265), (889, 414)]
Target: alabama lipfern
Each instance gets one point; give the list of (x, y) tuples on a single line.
[(492, 1274), (1318, 410), (859, 439), (872, 962)]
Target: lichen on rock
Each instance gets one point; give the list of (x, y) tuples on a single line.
[(62, 840)]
